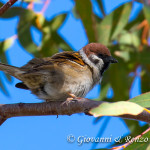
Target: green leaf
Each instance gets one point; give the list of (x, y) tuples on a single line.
[(147, 13), (39, 21), (48, 47), (129, 38), (13, 12), (142, 100), (113, 24), (141, 143), (123, 54), (116, 109), (145, 77), (120, 19), (1, 4), (135, 127), (57, 22), (104, 29), (125, 38), (3, 47), (51, 41), (141, 57), (100, 3), (64, 46), (119, 80), (6, 44), (148, 147), (24, 34), (133, 24), (75, 14), (103, 92), (3, 59), (84, 9)]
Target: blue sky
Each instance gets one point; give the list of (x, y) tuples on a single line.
[(50, 132)]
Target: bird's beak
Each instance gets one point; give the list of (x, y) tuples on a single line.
[(112, 59)]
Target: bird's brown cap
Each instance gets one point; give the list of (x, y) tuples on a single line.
[(97, 49)]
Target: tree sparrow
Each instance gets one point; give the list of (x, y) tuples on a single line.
[(54, 78)]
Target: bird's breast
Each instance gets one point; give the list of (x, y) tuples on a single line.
[(77, 80)]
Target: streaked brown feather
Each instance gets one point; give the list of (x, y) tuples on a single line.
[(57, 58)]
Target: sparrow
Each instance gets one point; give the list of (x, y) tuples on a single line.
[(67, 73)]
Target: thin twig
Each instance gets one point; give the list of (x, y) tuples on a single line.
[(130, 142), (5, 7), (31, 5), (45, 6)]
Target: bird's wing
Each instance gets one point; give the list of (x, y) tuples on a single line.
[(70, 56), (51, 68), (37, 64)]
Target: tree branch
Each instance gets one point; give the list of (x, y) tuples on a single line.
[(78, 105), (6, 6)]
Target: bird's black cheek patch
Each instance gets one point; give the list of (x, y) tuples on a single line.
[(105, 67), (95, 61)]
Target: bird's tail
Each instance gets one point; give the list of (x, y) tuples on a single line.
[(11, 70)]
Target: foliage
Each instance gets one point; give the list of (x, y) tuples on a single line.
[(127, 41)]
